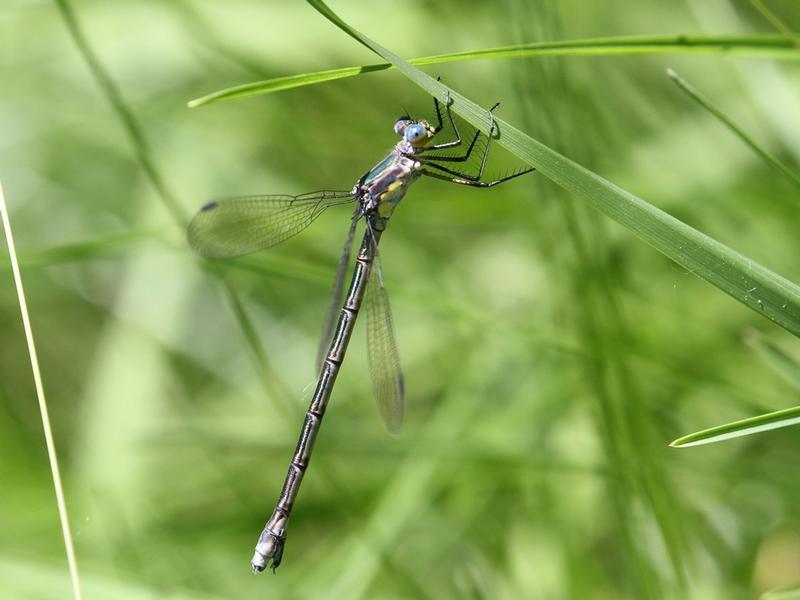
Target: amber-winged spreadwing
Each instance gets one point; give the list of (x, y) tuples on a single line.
[(237, 226)]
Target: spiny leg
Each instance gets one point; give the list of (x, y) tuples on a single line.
[(463, 158), (471, 182), (438, 127), (433, 160), (467, 154), (439, 124)]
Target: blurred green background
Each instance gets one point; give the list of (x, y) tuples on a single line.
[(549, 355)]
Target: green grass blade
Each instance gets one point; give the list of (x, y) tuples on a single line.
[(753, 285), (765, 422), (765, 46), (727, 122), (278, 84)]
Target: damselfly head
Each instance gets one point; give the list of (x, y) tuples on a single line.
[(416, 133)]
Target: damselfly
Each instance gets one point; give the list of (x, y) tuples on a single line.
[(236, 226)]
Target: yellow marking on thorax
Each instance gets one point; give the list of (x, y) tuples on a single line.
[(388, 199), (393, 187)]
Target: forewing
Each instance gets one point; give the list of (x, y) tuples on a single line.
[(236, 226), (384, 360)]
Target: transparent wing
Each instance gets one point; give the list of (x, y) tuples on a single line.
[(236, 226), (335, 303), (384, 360)]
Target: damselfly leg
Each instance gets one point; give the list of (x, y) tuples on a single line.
[(461, 177)]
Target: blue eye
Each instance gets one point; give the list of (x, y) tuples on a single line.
[(401, 124), (415, 133)]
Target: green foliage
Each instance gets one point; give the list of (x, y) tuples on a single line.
[(727, 122), (549, 355), (773, 420), (772, 46)]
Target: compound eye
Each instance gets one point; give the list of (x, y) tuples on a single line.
[(416, 133), (401, 124)]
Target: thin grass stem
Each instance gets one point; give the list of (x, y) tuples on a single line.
[(761, 46), (776, 22), (132, 126), (37, 378), (767, 156)]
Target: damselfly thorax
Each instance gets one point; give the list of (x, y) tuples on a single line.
[(383, 186)]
